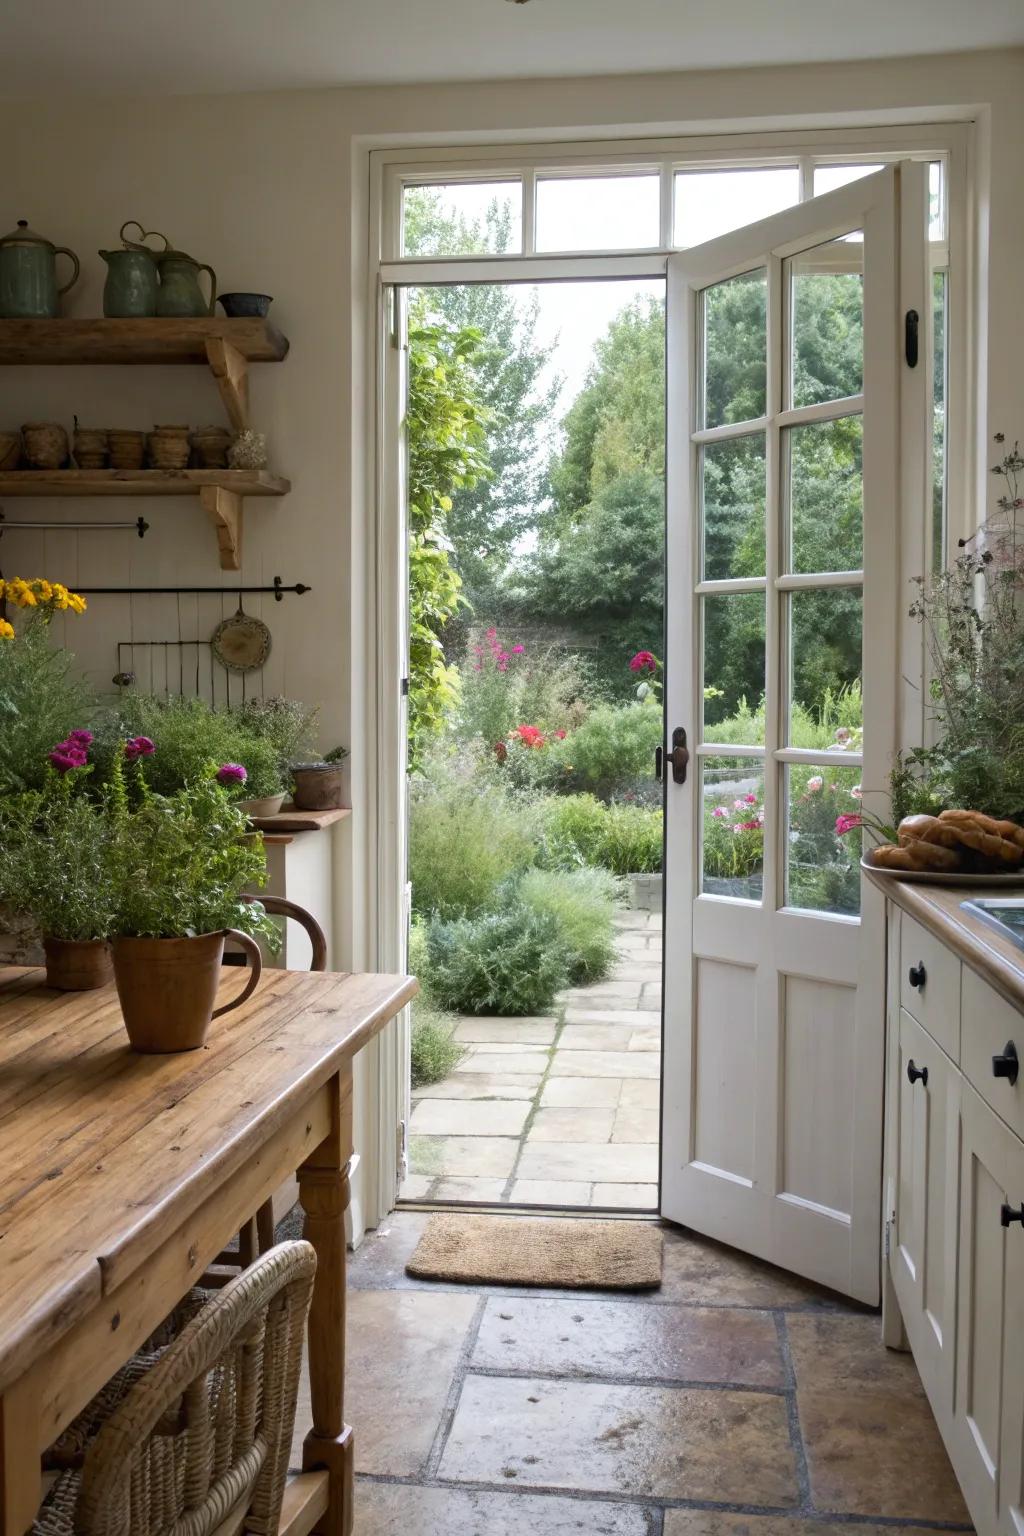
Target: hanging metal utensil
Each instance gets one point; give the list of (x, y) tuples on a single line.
[(241, 643)]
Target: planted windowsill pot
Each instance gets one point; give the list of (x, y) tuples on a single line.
[(318, 786), (262, 805), (168, 987), (77, 965)]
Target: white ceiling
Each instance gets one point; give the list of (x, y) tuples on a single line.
[(174, 47)]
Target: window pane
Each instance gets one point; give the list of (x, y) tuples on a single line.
[(940, 321), (733, 827), (825, 665), (828, 177), (735, 349), (826, 287), (822, 867), (464, 218), (710, 203), (732, 478), (936, 201), (734, 668), (597, 213), (826, 495)]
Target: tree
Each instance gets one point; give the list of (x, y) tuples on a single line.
[(446, 424)]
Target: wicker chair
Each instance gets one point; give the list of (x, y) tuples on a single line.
[(202, 1438)]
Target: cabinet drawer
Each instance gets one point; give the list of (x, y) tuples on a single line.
[(930, 985), (988, 1026)]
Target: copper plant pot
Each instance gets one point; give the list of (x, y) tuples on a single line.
[(317, 786), (168, 988), (77, 965)]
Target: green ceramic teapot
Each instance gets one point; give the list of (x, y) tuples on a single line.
[(179, 292), (28, 275)]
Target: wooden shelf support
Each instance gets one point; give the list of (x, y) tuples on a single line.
[(230, 368), (225, 509)]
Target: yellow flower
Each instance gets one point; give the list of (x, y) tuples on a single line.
[(52, 595), (6, 630)]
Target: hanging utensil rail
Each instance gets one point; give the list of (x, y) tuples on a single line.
[(137, 525), (277, 590)]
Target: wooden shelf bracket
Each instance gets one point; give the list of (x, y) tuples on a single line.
[(231, 370), (225, 510)]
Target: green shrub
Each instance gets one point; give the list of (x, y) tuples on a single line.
[(41, 700), (582, 902), (509, 962), (435, 1051), (505, 684), (611, 752), (582, 830), (465, 841), (189, 735)]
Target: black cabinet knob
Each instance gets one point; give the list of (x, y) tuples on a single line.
[(1007, 1214), (917, 976), (1007, 1065), (916, 1074)]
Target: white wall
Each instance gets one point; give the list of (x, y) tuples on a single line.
[(272, 190)]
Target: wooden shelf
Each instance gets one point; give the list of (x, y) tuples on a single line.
[(220, 491), (290, 820), (38, 342)]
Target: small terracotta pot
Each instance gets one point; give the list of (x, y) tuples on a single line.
[(266, 805), (168, 987), (45, 444), (317, 786), (77, 965)]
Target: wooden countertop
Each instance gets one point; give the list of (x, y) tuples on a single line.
[(937, 908), (103, 1153)]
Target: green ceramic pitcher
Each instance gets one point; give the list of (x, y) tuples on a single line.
[(179, 292), (28, 275), (130, 290)]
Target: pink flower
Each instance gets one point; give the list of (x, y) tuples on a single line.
[(736, 827), (81, 739), (231, 774), (138, 746), (719, 813), (750, 799), (846, 824), (64, 758), (491, 633), (560, 735), (738, 805), (856, 792), (517, 650), (815, 783), (644, 661), (751, 826)]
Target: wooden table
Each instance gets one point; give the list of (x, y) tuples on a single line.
[(123, 1176)]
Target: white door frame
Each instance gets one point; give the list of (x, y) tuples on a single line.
[(837, 1248)]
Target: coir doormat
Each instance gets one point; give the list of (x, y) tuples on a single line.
[(577, 1254)]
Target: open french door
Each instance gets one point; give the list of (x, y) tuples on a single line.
[(788, 478)]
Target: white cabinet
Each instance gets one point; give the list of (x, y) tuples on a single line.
[(955, 1170)]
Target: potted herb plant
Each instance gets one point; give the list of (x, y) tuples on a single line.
[(318, 785), (182, 863), (55, 868)]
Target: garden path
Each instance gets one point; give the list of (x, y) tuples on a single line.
[(559, 1110)]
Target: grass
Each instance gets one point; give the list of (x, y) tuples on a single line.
[(435, 1051)]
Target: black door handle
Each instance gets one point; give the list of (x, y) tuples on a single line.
[(679, 755), (1008, 1214), (1007, 1065), (917, 976), (916, 1074)]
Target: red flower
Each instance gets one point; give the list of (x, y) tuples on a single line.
[(644, 661), (500, 751), (560, 735), (529, 735), (847, 823)]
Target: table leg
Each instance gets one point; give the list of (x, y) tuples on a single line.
[(324, 1193), (20, 1475)]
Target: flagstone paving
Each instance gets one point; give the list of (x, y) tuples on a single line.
[(559, 1110)]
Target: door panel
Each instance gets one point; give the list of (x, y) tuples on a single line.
[(783, 472)]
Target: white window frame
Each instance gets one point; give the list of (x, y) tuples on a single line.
[(394, 167)]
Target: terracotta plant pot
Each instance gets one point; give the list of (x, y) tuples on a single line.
[(168, 988), (317, 786), (77, 965)]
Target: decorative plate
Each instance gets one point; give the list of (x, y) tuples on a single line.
[(941, 877), (241, 643)]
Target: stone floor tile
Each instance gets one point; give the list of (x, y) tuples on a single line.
[(562, 1192), (655, 921), (611, 994), (638, 943), (624, 1018), (571, 1125), (636, 969), (833, 1353), (639, 1093), (576, 1338), (631, 1125), (389, 1509), (495, 1050), (581, 1093), (482, 1085), (379, 1261), (650, 998), (488, 1155), (402, 1349), (629, 917), (706, 1522), (455, 1188), (592, 1161), (468, 1117), (877, 1454), (634, 1197), (415, 1186), (517, 1032), (646, 1038), (595, 1037), (699, 1270), (513, 1062), (640, 1440), (606, 1064)]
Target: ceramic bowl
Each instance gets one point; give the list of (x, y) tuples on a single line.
[(238, 306)]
